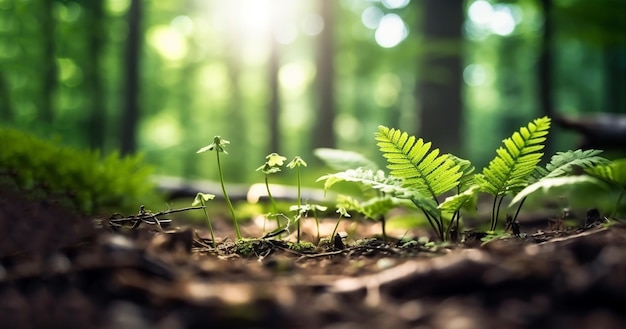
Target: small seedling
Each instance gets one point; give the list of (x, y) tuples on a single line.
[(297, 162), (201, 199), (272, 166), (303, 210), (342, 213), (218, 146)]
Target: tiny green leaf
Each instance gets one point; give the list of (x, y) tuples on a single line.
[(275, 160), (218, 144), (297, 161), (200, 197), (342, 212)]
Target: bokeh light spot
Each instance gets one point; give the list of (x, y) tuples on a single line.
[(371, 17), (395, 4), (391, 31)]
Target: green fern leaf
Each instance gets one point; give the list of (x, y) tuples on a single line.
[(467, 200), (344, 160), (375, 179), (516, 160), (552, 186), (409, 158), (562, 163), (467, 170), (373, 208), (613, 173)]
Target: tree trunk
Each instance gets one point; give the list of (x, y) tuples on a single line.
[(130, 116), (6, 111), (323, 133), (46, 111), (438, 94), (544, 73), (96, 121)]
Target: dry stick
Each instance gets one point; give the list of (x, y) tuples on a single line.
[(160, 213)]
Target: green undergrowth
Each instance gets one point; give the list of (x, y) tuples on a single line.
[(84, 180)]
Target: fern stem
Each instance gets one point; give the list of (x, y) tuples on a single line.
[(495, 223), (518, 209), (383, 222), (430, 221), (456, 216), (493, 212)]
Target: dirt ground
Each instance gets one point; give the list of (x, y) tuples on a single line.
[(62, 271)]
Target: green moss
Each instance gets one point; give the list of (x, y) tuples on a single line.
[(302, 246), (88, 181)]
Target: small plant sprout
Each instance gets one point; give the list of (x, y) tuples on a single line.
[(201, 199), (218, 146), (303, 210), (343, 212), (297, 162), (272, 166)]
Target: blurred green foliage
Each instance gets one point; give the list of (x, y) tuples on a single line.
[(204, 72), (84, 180)]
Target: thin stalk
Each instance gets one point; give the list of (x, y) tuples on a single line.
[(518, 209), (332, 236), (317, 224), (299, 203), (493, 212), (495, 223), (454, 216), (432, 224), (208, 220), (272, 201), (384, 231), (230, 205)]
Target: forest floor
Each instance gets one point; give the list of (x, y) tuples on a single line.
[(62, 271)]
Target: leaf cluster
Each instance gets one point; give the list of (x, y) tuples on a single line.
[(420, 174)]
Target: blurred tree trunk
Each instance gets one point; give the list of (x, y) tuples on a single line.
[(544, 74), (6, 111), (438, 89), (615, 68), (130, 114), (49, 74), (95, 127), (274, 86), (323, 132)]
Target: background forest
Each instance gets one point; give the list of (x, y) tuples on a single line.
[(163, 77)]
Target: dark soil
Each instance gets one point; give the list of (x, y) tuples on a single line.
[(62, 271)]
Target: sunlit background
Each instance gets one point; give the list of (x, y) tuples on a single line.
[(255, 72)]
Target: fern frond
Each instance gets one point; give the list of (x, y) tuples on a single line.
[(613, 173), (516, 160), (466, 200), (558, 185), (344, 160), (375, 179), (467, 170), (562, 163), (418, 166), (373, 208)]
